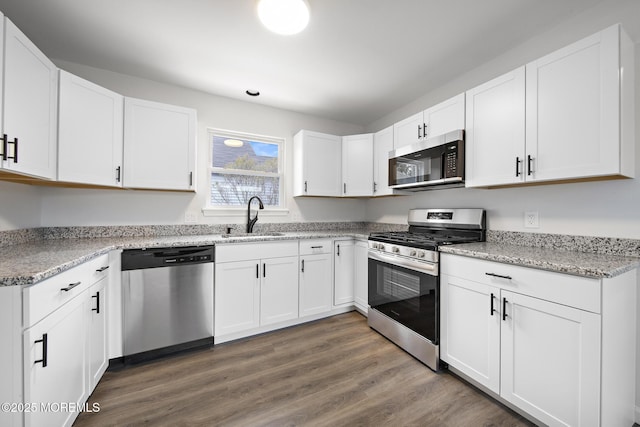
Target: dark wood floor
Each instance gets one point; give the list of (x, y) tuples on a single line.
[(333, 372)]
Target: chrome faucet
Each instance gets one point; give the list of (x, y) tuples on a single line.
[(252, 222)]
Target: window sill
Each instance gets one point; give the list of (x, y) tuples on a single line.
[(242, 212)]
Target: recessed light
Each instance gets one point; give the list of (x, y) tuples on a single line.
[(284, 17), (252, 92)]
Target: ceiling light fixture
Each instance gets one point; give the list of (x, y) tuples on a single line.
[(235, 143), (284, 17)]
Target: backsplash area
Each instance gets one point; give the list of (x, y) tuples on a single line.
[(605, 245)]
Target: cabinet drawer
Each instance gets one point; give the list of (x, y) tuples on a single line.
[(566, 289), (44, 297), (244, 251), (310, 247)]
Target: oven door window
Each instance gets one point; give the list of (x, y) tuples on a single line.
[(407, 296)]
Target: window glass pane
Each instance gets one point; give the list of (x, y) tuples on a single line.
[(236, 190), (242, 154)]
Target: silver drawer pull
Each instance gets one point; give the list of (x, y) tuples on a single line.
[(71, 286)]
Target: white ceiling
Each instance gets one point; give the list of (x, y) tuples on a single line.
[(357, 61)]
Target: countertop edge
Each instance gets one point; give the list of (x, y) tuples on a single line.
[(627, 264), (166, 241)]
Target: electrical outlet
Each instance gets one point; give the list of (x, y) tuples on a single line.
[(531, 220), (190, 217)]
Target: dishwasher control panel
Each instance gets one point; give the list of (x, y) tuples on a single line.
[(137, 259)]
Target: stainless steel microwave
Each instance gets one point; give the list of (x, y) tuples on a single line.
[(434, 163)]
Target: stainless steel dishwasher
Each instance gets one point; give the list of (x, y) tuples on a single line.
[(167, 301)]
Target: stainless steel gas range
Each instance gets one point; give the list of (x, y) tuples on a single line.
[(404, 283)]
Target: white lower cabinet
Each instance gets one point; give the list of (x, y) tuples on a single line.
[(54, 365), (361, 276), (537, 339), (343, 261), (255, 285), (97, 338), (64, 342), (316, 278)]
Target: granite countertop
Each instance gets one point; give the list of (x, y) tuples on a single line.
[(32, 262), (562, 261)]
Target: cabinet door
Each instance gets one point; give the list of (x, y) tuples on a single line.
[(60, 340), (237, 296), (444, 117), (573, 109), (551, 360), (159, 145), (318, 163), (344, 255), (316, 284), (495, 131), (30, 106), (361, 275), (470, 329), (279, 290), (382, 144), (89, 133), (357, 165), (408, 131), (96, 310)]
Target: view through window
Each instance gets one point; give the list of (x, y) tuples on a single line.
[(243, 166)]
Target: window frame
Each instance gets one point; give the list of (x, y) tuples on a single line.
[(229, 210)]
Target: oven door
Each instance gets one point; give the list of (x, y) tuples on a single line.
[(407, 291)]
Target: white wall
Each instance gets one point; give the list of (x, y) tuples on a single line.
[(607, 208), (68, 206), (20, 206)]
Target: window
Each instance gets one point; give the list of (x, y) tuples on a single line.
[(243, 166)]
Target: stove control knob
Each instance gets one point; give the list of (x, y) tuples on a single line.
[(412, 253), (421, 254), (381, 246), (395, 250)]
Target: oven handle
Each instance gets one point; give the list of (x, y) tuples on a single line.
[(419, 266)]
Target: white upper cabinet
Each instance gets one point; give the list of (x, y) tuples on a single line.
[(408, 131), (29, 118), (494, 133), (579, 118), (444, 117), (357, 165), (159, 146), (382, 144), (567, 115), (90, 126), (317, 162)]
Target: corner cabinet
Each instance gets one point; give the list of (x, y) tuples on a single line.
[(317, 160), (566, 116), (30, 105), (444, 117), (90, 139), (559, 347), (382, 144), (357, 165), (159, 146)]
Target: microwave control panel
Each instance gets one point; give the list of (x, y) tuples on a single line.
[(451, 163)]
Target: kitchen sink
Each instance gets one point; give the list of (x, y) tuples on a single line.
[(248, 235)]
